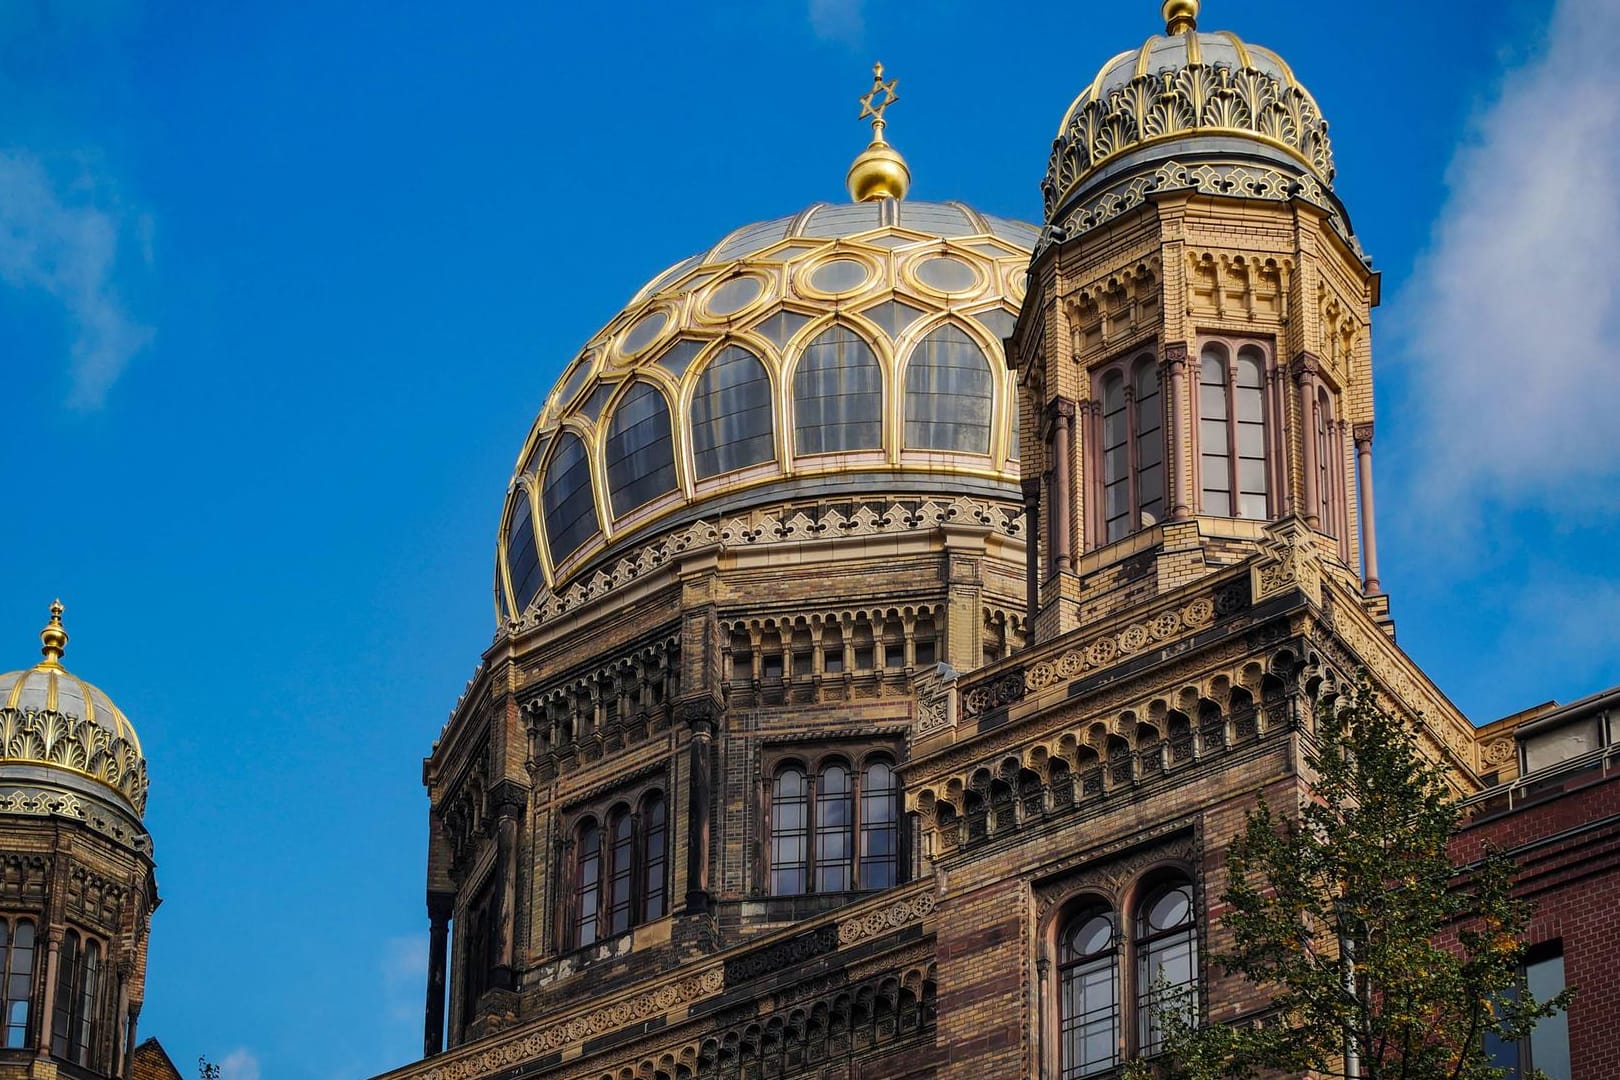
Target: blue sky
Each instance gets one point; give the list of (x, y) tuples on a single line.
[(283, 285)]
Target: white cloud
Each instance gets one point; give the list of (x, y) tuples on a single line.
[(1511, 324), (239, 1064), (59, 234), (404, 976), (838, 20)]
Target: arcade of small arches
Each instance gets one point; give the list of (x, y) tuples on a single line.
[(772, 660)]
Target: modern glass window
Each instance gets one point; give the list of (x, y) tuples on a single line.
[(948, 394), (522, 555), (1088, 993), (1547, 1046), (836, 829), (640, 453), (75, 1017), (731, 414), (837, 395), (566, 499), (17, 940), (1166, 961), (1132, 447), (1232, 432)]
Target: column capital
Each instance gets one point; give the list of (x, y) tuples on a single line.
[(1059, 407), (1363, 433), (1305, 364), (1032, 490), (440, 906), (698, 713), (1175, 355), (508, 799)]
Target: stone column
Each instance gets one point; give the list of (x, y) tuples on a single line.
[(1175, 427), (699, 717), (508, 801), (1062, 413), (1369, 522), (130, 1027), (1305, 368), (53, 950), (1032, 549), (439, 906)]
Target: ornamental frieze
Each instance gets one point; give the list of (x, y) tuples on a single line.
[(81, 746)]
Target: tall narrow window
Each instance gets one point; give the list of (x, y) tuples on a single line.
[(1088, 989), (1132, 447), (731, 414), (78, 991), (655, 859), (1328, 465), (948, 394), (1547, 1046), (566, 499), (1232, 433), (640, 455), (588, 889), (833, 821), (522, 556), (790, 833), (18, 942), (1166, 962), (621, 877), (86, 1012), (880, 832)]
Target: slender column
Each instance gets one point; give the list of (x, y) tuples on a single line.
[(130, 1027), (1369, 522), (439, 906), (121, 1047), (1305, 368), (701, 721), (1175, 427), (509, 800), (47, 1014), (1062, 483), (1032, 549)]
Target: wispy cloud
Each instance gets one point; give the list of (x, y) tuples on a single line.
[(838, 20), (239, 1064), (1511, 321), (404, 974), (59, 234)]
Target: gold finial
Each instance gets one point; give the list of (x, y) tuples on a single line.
[(53, 639), (1179, 16), (879, 172)]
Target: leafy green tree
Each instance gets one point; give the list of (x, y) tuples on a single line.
[(1383, 959)]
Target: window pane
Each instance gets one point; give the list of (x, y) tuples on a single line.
[(880, 833), (731, 414), (588, 897), (566, 498), (640, 455), (837, 395), (1549, 1041), (522, 556), (653, 817), (833, 810), (790, 808), (948, 394), (621, 874), (1088, 996), (1166, 962)]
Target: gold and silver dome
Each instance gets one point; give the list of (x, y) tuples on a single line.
[(62, 738), (1188, 109)]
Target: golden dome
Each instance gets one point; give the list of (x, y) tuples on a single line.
[(49, 716), (842, 352), (1187, 109)]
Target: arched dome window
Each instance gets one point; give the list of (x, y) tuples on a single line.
[(837, 395), (640, 454), (567, 500), (731, 414), (948, 394), (522, 554)]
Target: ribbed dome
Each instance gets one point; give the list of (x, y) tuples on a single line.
[(1206, 111), (841, 351), (50, 720)]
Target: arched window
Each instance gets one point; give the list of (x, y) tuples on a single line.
[(1232, 432), (1132, 448), (17, 939), (566, 498), (731, 414), (837, 832), (621, 872), (1166, 961), (880, 830), (1329, 463), (948, 394), (588, 882), (837, 395), (790, 832), (522, 555), (640, 454), (833, 819), (74, 1019), (1088, 993), (654, 856)]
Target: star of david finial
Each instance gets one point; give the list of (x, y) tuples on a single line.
[(876, 100)]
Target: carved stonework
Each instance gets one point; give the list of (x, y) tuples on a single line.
[(898, 914), (1110, 872), (1289, 560), (82, 746)]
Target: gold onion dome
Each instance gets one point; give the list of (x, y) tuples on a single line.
[(1188, 109), (54, 725), (846, 356)]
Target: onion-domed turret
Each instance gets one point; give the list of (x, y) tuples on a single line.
[(1188, 109)]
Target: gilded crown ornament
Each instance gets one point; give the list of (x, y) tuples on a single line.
[(54, 638), (879, 172)]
